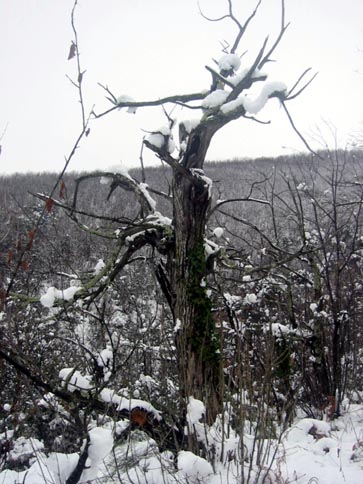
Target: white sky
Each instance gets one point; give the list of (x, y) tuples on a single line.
[(149, 49)]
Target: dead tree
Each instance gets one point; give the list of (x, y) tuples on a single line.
[(182, 264)]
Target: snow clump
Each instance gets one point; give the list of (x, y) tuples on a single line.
[(250, 298), (215, 99), (124, 98), (218, 232), (195, 411), (162, 138), (229, 62), (253, 105), (74, 380), (193, 468), (48, 299), (98, 267)]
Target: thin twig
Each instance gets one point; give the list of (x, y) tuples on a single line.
[(4, 131), (79, 71), (178, 98), (230, 15), (289, 96), (113, 97), (278, 39), (306, 144), (44, 211)]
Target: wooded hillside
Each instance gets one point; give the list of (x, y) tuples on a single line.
[(284, 283)]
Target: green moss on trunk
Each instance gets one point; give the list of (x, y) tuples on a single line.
[(203, 337)]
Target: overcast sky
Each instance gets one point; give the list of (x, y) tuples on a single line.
[(151, 48)]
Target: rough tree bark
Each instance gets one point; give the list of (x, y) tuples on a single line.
[(197, 342)]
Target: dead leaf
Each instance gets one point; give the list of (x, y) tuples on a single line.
[(80, 77), (49, 204), (31, 235), (139, 416), (9, 257), (62, 189), (72, 51), (3, 297)]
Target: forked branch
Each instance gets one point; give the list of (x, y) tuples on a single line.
[(241, 28)]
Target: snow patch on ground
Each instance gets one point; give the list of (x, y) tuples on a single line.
[(311, 450)]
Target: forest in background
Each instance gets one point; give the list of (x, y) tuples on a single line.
[(285, 288)]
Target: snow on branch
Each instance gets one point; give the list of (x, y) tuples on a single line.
[(122, 179), (183, 99), (161, 140), (73, 380), (52, 294), (254, 105)]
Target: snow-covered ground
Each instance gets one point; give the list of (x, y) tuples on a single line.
[(310, 452)]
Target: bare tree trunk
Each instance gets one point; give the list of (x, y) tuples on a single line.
[(197, 341)]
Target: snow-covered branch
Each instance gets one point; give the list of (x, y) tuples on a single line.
[(175, 99)]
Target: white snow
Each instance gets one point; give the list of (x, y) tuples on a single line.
[(193, 468), (156, 139), (39, 473), (253, 105), (210, 247), (195, 411), (48, 299), (159, 138), (158, 219), (123, 403), (105, 357), (61, 466), (164, 130), (116, 170), (278, 329), (302, 187), (232, 105), (23, 446), (190, 124), (229, 61), (218, 232), (101, 444), (177, 326), (124, 98), (250, 298), (311, 451), (144, 189), (313, 307), (75, 380), (242, 73), (215, 99), (105, 360), (208, 182), (130, 238), (104, 180), (231, 299), (171, 145), (98, 267)]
